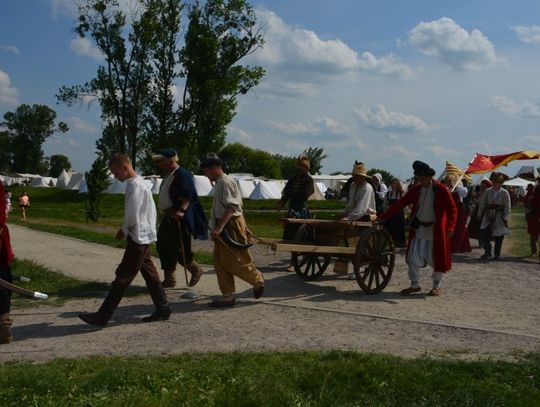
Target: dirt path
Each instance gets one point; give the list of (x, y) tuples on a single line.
[(487, 310)]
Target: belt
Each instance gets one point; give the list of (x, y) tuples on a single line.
[(426, 224)]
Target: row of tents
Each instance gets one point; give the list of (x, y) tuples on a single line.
[(250, 187)]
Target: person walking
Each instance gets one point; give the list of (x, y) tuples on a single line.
[(396, 224), (433, 220), (139, 229), (230, 258), (493, 212), (182, 217), (24, 204)]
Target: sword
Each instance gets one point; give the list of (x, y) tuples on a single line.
[(22, 291)]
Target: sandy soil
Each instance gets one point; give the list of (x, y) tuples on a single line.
[(486, 310)]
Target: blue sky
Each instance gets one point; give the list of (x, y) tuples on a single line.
[(384, 82)]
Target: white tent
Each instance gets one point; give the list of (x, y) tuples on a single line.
[(116, 187), (75, 181), (317, 194), (5, 180), (266, 190), (322, 186), (156, 184), (203, 185), (246, 187), (63, 180), (331, 181), (83, 187), (527, 171), (517, 182), (41, 182)]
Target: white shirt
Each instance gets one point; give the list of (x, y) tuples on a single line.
[(164, 200), (140, 212), (226, 195), (361, 201), (426, 213)]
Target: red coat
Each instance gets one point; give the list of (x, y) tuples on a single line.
[(445, 215), (6, 254)]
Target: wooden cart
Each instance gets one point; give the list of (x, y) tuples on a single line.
[(369, 248)]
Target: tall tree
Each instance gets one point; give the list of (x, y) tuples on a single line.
[(316, 155), (57, 163), (142, 62), (5, 152), (219, 35), (97, 181), (28, 127), (122, 84)]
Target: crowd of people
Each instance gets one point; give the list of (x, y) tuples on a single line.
[(437, 217)]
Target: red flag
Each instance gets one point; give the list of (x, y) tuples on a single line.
[(486, 163)]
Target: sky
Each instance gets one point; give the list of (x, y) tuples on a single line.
[(385, 82)]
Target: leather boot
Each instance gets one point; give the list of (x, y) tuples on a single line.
[(169, 280), (5, 329), (196, 272)]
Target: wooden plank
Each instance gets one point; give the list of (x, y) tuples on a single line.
[(306, 248), (328, 223)]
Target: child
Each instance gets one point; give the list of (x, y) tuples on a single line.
[(8, 203), (24, 203), (139, 229)]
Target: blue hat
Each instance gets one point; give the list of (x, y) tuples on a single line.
[(164, 153)]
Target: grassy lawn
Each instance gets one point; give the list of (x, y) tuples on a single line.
[(517, 243), (59, 287), (271, 379)]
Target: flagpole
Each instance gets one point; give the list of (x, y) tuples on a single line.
[(463, 173)]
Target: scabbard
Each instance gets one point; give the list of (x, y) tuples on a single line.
[(22, 291)]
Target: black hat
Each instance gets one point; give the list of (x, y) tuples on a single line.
[(421, 169), (211, 160), (164, 153)]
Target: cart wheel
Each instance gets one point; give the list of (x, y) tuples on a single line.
[(309, 266), (374, 260)]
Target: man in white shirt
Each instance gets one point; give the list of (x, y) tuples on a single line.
[(227, 216), (361, 203), (139, 229)]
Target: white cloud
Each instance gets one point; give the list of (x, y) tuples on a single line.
[(377, 117), (453, 45), (444, 152), (11, 48), (528, 110), (83, 47), (78, 124), (323, 127), (528, 33), (278, 90), (301, 49), (9, 95), (237, 135)]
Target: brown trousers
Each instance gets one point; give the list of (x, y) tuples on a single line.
[(229, 262), (136, 257)]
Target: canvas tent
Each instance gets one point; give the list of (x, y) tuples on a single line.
[(246, 187), (517, 182), (527, 171), (63, 180), (331, 181), (202, 185), (266, 190), (75, 181), (41, 182), (116, 187)]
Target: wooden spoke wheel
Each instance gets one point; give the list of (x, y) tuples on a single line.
[(374, 260), (309, 266)]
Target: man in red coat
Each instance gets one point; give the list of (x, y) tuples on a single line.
[(431, 228), (6, 257)]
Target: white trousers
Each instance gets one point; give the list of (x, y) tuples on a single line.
[(421, 255)]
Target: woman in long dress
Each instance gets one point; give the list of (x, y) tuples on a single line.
[(460, 240)]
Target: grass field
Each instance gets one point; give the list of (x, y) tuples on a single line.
[(278, 379)]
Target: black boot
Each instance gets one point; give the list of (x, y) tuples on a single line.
[(160, 314), (95, 318)]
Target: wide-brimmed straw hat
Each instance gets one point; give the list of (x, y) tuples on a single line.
[(359, 169)]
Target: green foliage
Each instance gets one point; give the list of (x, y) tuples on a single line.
[(27, 129), (287, 165), (5, 152), (387, 176), (97, 181), (316, 155), (142, 60), (240, 158), (271, 379), (57, 163)]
